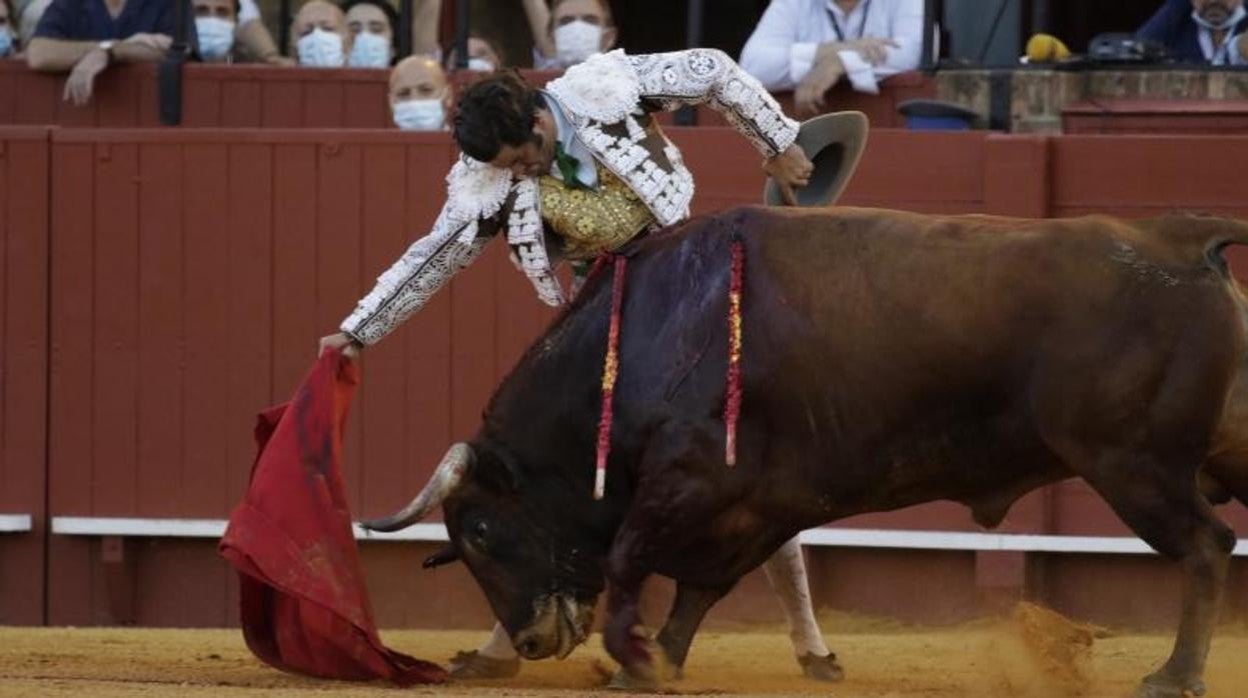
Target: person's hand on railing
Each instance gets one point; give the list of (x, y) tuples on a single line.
[(81, 81)]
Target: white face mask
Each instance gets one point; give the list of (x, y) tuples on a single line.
[(320, 49), (216, 37), (576, 41), (369, 51), (420, 115), (483, 65)]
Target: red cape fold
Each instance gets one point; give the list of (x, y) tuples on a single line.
[(304, 605)]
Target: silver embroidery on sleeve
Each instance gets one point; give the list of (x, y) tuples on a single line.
[(709, 75), (475, 191)]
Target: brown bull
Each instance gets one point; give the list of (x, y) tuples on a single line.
[(890, 359)]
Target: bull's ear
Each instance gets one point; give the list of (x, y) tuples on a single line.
[(444, 556)]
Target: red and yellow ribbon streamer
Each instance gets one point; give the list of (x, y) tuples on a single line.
[(610, 371), (732, 408)]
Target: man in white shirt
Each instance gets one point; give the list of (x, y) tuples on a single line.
[(809, 45)]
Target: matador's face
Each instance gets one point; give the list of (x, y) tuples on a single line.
[(535, 157)]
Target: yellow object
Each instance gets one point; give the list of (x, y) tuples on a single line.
[(593, 221), (1046, 48)]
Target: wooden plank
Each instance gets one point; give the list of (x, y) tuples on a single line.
[(71, 392), (38, 97), (338, 218), (366, 104), (248, 235), (240, 104), (1174, 172), (323, 105), (117, 97), (281, 104), (201, 100), (206, 331), (8, 94), (381, 401), (161, 313), (295, 326), (116, 375)]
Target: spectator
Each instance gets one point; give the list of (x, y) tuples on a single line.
[(319, 33), (215, 23), (809, 45), (419, 94), (569, 31), (28, 14), (371, 25), (8, 38), (483, 56), (86, 36), (1201, 31)]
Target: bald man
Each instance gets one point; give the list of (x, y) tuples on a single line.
[(319, 33), (419, 94)]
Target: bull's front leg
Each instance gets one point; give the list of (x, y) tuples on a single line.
[(669, 504)]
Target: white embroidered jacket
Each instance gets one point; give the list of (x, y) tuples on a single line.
[(603, 97)]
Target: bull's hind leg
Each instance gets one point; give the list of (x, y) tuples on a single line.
[(1166, 509), (786, 570)]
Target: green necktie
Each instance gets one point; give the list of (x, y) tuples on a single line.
[(568, 166)]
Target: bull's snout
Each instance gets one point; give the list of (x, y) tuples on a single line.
[(559, 624)]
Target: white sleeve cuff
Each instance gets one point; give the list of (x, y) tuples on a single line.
[(801, 60)]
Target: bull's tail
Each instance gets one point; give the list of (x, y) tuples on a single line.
[(1206, 236)]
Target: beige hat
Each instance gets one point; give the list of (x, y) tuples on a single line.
[(834, 143)]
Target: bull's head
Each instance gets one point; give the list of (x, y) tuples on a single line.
[(539, 567)]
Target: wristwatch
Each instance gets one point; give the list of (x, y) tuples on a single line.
[(107, 47)]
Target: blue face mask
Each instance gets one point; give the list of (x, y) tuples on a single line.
[(6, 43)]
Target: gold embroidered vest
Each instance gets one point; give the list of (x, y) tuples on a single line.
[(593, 221)]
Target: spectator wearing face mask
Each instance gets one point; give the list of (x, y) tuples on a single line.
[(569, 31), (84, 37), (319, 33), (215, 23), (419, 94), (483, 56), (8, 35), (371, 25), (1201, 31)]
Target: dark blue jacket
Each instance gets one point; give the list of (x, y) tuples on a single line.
[(89, 20), (1173, 26)]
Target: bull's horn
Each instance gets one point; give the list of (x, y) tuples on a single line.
[(443, 482)]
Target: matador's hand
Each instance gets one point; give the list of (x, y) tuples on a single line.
[(349, 347), (791, 169)]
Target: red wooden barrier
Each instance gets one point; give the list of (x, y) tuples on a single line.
[(256, 96), (194, 270), (1139, 116), (24, 171)]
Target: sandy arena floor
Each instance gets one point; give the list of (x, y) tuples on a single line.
[(1032, 655)]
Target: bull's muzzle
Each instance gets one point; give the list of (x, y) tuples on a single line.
[(560, 623), (444, 481)]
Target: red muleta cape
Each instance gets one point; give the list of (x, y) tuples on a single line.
[(304, 606)]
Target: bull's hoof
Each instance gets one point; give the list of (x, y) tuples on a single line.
[(634, 680), (474, 665), (1161, 687), (821, 668)]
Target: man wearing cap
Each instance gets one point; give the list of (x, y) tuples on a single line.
[(571, 172)]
